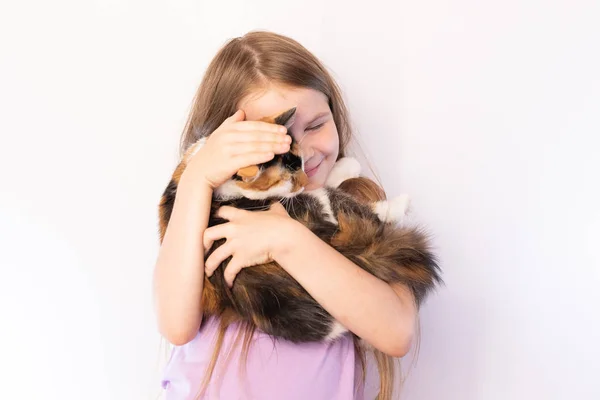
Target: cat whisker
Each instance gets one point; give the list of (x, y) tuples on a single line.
[(291, 203), (294, 209)]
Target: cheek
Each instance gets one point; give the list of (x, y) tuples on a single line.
[(328, 143), (333, 144)]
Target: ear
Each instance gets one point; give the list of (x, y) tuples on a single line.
[(286, 118), (248, 174)]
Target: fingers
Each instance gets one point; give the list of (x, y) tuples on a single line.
[(245, 160), (230, 213), (239, 262), (217, 257), (258, 136), (221, 231), (214, 233), (238, 116), (278, 208), (255, 142), (260, 126), (233, 268), (258, 147)]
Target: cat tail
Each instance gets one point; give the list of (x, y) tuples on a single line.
[(394, 254)]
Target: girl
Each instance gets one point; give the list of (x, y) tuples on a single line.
[(257, 75)]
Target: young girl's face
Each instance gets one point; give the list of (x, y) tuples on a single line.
[(313, 128)]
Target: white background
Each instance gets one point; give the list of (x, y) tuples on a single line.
[(486, 113)]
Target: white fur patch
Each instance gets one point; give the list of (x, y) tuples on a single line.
[(392, 210), (344, 169), (323, 198), (337, 330), (231, 190)]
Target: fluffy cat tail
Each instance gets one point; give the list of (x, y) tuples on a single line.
[(394, 254)]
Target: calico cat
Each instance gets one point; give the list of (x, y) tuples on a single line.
[(369, 235)]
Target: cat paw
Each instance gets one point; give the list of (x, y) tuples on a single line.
[(400, 205), (344, 169), (393, 210)]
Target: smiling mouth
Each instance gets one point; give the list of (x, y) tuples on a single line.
[(312, 171)]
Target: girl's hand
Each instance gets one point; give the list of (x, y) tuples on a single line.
[(251, 238), (234, 145)]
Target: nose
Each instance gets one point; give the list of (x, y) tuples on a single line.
[(306, 152)]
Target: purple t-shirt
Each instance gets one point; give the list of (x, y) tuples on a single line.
[(275, 369)]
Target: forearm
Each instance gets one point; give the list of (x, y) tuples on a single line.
[(381, 315), (179, 270)]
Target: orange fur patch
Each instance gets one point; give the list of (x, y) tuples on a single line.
[(299, 180), (269, 178), (248, 172)]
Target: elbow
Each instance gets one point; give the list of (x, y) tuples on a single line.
[(399, 341), (177, 327), (178, 338), (395, 346), (179, 334), (399, 347), (402, 332)]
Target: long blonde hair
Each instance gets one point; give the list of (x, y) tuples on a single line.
[(248, 63)]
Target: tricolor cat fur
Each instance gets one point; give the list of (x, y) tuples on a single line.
[(369, 235)]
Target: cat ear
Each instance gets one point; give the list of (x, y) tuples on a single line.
[(248, 174), (286, 118)]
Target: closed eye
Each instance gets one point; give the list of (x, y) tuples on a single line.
[(314, 128)]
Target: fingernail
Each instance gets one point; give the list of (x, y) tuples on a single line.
[(282, 129)]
